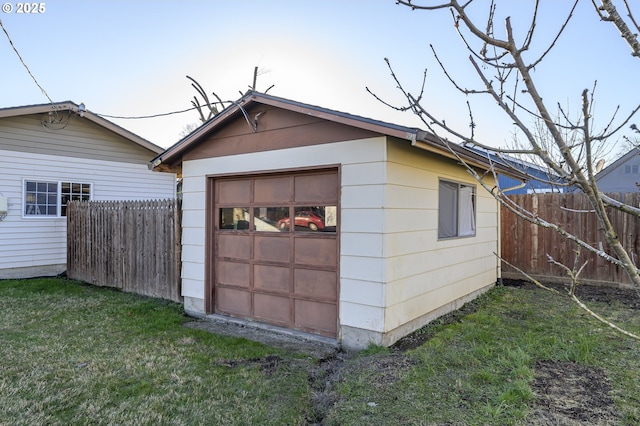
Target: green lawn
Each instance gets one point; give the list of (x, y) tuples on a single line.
[(76, 354)]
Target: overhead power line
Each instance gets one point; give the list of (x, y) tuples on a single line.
[(145, 116), (44, 92), (163, 114)]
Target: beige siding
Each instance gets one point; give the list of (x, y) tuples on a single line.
[(394, 273), (361, 216), (79, 138), (422, 274)]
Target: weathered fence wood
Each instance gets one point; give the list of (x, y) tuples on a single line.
[(526, 245), (130, 245)]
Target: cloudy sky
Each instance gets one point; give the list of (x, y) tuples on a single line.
[(131, 58)]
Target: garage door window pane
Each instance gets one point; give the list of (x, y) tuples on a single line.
[(236, 218), (315, 218), (270, 219)]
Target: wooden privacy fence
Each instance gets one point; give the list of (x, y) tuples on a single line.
[(526, 245), (130, 245)]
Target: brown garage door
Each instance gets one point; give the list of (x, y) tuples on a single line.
[(276, 249)]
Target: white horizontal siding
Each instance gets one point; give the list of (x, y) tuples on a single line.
[(76, 137), (370, 173), (38, 241), (361, 244), (358, 158), (192, 288), (363, 196), (390, 255), (360, 315), (362, 292)]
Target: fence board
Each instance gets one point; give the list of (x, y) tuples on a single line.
[(129, 245), (526, 245)]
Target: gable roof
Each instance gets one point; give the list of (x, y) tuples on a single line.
[(418, 138), (83, 112), (619, 162)]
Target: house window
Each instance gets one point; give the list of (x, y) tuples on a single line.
[(51, 198), (456, 210), (71, 191), (40, 198)]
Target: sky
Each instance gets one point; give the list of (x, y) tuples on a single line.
[(131, 58)]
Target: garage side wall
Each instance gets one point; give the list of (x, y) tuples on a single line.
[(426, 277), (361, 301)]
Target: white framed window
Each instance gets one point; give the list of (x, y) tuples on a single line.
[(50, 198), (456, 210)]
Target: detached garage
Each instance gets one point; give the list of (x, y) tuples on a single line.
[(331, 224)]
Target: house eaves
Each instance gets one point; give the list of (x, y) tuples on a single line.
[(81, 112), (173, 153), (417, 137), (457, 152)]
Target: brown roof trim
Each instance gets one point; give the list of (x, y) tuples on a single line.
[(173, 152), (75, 108), (417, 137), (343, 118)]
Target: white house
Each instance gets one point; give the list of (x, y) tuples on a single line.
[(389, 231), (623, 175), (53, 153)]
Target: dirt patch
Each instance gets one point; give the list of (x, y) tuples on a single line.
[(268, 364), (303, 344), (567, 393), (626, 297), (571, 394), (329, 372), (418, 337)]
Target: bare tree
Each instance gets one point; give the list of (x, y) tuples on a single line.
[(208, 109), (187, 129), (630, 142), (566, 145), (212, 108)]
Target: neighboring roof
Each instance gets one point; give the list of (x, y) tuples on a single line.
[(511, 161), (619, 162), (80, 110), (417, 137)]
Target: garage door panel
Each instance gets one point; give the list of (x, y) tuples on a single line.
[(269, 248), (234, 246), (316, 251), (234, 301), (286, 276), (272, 308), (234, 273), (234, 191), (310, 283), (316, 316), (274, 190), (318, 189), (272, 278)]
